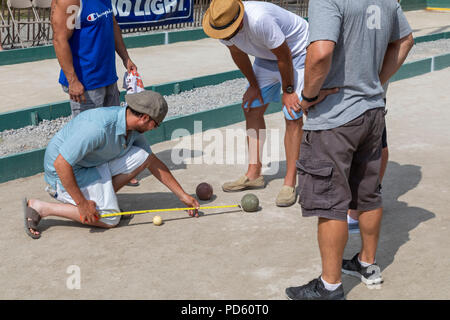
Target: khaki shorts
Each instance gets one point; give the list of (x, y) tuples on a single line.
[(339, 169)]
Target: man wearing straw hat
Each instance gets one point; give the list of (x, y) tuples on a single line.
[(277, 39), (95, 155)]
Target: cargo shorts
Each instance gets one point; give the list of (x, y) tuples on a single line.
[(338, 169)]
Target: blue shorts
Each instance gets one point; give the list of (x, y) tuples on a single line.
[(269, 78)]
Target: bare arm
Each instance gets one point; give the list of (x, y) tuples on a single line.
[(163, 174), (317, 66), (395, 56), (244, 64), (62, 15), (86, 208), (121, 49), (284, 57), (285, 65)]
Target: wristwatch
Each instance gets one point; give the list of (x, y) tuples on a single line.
[(309, 99), (289, 89)]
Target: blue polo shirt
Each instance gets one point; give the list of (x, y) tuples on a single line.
[(89, 140)]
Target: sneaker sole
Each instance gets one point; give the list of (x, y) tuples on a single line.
[(289, 298), (284, 205), (366, 281), (370, 282)]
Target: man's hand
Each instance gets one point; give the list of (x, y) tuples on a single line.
[(190, 202), (88, 212), (76, 91), (129, 65), (292, 103), (305, 105), (251, 95)]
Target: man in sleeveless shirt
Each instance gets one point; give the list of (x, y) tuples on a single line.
[(86, 39)]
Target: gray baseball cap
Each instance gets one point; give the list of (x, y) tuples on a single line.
[(148, 102)]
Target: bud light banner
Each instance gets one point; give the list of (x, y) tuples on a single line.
[(147, 13)]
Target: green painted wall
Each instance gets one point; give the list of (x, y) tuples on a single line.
[(15, 56), (439, 4), (442, 62), (31, 116), (408, 5)]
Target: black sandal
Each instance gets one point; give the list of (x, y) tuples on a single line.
[(31, 219), (133, 184)]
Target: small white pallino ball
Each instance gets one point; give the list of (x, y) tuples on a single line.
[(157, 220)]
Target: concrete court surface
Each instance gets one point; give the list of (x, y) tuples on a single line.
[(425, 22), (156, 64), (227, 254)]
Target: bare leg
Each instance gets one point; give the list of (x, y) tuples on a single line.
[(332, 236), (369, 224), (255, 124), (69, 211), (292, 140), (121, 180), (63, 210)]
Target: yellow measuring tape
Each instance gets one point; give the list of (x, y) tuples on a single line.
[(165, 210)]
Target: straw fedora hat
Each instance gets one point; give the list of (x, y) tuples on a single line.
[(222, 18)]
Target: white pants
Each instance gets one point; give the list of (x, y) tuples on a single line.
[(102, 190)]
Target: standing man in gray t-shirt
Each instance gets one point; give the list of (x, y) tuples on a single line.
[(355, 46)]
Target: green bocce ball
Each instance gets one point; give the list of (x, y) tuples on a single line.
[(250, 202)]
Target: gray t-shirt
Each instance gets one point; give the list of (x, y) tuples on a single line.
[(362, 30)]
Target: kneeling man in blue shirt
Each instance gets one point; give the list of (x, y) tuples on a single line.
[(95, 155)]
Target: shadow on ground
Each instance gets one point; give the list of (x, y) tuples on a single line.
[(165, 200), (398, 218), (281, 172)]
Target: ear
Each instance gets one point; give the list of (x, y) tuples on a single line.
[(145, 118)]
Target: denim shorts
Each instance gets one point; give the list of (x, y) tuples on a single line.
[(269, 79)]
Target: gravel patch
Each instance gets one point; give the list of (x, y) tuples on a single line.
[(199, 99), (30, 137), (429, 49), (206, 98)]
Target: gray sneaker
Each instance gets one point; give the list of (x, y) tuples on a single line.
[(315, 290), (369, 275)]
